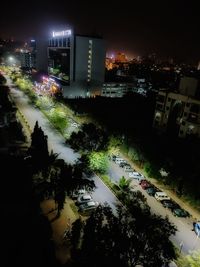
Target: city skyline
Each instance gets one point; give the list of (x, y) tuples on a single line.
[(167, 29)]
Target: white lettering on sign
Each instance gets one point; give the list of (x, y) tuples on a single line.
[(62, 33)]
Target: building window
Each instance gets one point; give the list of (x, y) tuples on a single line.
[(169, 99), (185, 114), (60, 42)]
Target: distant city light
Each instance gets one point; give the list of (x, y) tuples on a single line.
[(62, 33)]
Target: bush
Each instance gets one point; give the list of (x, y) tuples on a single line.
[(98, 162)]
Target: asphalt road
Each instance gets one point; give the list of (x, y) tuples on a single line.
[(185, 238)]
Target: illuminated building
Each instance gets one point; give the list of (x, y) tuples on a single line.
[(121, 57), (116, 89), (77, 62), (27, 56), (179, 112)]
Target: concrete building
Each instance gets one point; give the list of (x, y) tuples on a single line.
[(77, 62), (188, 86), (177, 113), (116, 89)]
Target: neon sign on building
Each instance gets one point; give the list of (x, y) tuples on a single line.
[(62, 33)]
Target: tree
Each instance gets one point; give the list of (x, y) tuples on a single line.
[(39, 149), (123, 240), (191, 260), (89, 138), (124, 183), (60, 199), (98, 162), (76, 231)]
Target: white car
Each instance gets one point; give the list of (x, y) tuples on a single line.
[(74, 124), (83, 199), (136, 175), (78, 193), (88, 206)]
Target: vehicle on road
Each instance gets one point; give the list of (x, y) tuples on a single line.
[(83, 199), (74, 124), (123, 164), (88, 206), (151, 190), (128, 168), (78, 193), (145, 185), (169, 204), (136, 175), (197, 228), (179, 212), (161, 196), (119, 160)]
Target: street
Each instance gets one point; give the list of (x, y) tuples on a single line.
[(185, 238)]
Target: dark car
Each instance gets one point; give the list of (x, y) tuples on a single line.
[(123, 164), (169, 204), (151, 190), (179, 212)]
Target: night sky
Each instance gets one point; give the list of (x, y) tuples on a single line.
[(167, 28)]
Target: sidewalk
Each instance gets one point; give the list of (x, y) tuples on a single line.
[(194, 213), (59, 226)]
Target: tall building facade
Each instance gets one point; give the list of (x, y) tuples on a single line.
[(77, 62), (177, 113)]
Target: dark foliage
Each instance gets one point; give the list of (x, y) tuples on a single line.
[(27, 234)]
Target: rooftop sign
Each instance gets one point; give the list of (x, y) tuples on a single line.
[(62, 33)]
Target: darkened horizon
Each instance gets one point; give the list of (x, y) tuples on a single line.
[(167, 29)]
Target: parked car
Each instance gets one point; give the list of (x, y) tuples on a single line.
[(136, 175), (88, 206), (123, 164), (161, 196), (119, 160), (151, 190), (169, 204), (128, 168), (142, 181), (179, 212), (196, 226), (74, 124), (145, 185), (78, 193), (83, 199)]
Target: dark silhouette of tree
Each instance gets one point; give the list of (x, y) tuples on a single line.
[(60, 196), (27, 236), (123, 239), (39, 149), (89, 138), (76, 232)]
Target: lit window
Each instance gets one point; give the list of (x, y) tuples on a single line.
[(90, 42)]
